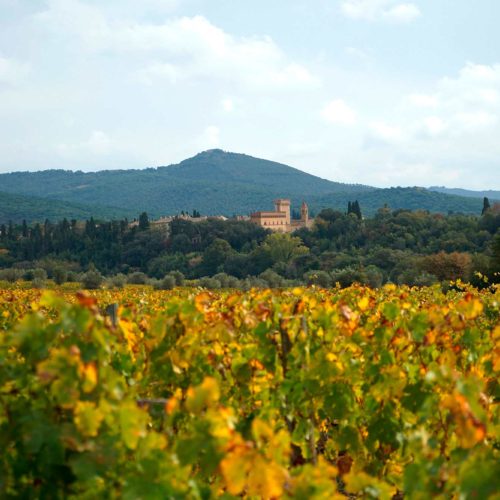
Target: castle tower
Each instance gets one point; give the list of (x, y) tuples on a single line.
[(283, 205), (304, 213)]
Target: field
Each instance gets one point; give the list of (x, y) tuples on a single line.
[(300, 393)]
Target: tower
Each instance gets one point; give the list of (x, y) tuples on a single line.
[(304, 213), (283, 205)]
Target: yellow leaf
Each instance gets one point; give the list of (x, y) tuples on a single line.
[(87, 418), (266, 479), (234, 468), (89, 377), (364, 303)]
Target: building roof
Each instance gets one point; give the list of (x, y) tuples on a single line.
[(269, 214)]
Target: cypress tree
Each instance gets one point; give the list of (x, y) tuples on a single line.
[(143, 221), (357, 210), (486, 205)]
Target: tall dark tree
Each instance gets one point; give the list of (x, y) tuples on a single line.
[(356, 209), (486, 205), (10, 231), (143, 221)]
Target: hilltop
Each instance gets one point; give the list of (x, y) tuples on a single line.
[(212, 182)]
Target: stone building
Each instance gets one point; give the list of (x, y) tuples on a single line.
[(280, 219)]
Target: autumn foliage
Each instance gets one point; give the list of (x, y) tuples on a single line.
[(299, 393)]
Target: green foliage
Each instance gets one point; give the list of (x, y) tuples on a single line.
[(92, 279), (415, 248), (284, 247), (297, 393)]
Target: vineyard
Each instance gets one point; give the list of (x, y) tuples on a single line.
[(297, 393)]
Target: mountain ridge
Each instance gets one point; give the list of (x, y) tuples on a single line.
[(217, 182)]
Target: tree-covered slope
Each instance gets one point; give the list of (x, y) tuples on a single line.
[(216, 182), (411, 198), (16, 208), (492, 195)]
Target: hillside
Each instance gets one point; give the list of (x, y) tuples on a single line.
[(492, 195), (213, 182), (16, 208), (410, 198)]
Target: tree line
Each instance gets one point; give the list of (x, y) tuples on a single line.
[(402, 246)]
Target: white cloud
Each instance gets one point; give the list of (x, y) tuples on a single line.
[(463, 105), (228, 104), (402, 13), (338, 112), (385, 132), (181, 48), (210, 137), (437, 134), (376, 10), (434, 125), (471, 121), (12, 72), (423, 100)]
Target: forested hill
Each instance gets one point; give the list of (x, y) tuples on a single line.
[(490, 194), (212, 182), (16, 208)]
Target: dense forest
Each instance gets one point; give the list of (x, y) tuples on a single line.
[(214, 182), (401, 246)]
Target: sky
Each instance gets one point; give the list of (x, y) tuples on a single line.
[(378, 92)]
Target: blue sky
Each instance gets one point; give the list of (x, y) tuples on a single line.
[(380, 92)]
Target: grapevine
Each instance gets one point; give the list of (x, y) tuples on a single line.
[(295, 393)]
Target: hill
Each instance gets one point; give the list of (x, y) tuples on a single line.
[(16, 208), (492, 195), (216, 182)]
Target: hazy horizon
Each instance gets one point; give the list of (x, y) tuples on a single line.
[(376, 92)]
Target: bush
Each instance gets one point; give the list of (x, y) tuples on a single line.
[(92, 279), (39, 274), (38, 283), (347, 276), (226, 280), (11, 275), (374, 276), (137, 278), (253, 282), (167, 283), (178, 276), (415, 277), (60, 275), (319, 278), (117, 281), (272, 279), (74, 277), (210, 283)]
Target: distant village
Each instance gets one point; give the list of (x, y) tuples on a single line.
[(279, 220)]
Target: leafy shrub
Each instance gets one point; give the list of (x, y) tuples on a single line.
[(117, 281), (92, 279), (319, 278), (210, 283), (137, 278), (60, 275), (178, 276), (11, 275), (226, 280), (167, 283)]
